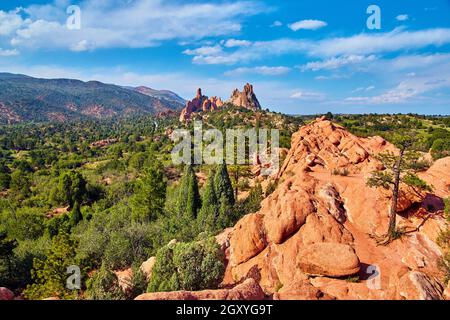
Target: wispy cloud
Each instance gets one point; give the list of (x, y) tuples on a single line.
[(307, 95), (231, 43), (337, 62), (402, 17), (403, 92), (204, 51), (262, 70), (8, 52), (276, 23), (395, 40), (337, 50), (307, 25), (129, 24), (366, 89)]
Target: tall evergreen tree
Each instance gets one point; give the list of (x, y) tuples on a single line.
[(71, 188), (189, 201), (208, 214), (223, 184), (75, 214), (225, 195), (148, 202)]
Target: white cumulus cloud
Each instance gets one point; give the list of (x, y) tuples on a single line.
[(123, 24), (307, 25), (231, 43)]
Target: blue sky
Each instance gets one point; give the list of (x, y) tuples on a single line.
[(303, 57)]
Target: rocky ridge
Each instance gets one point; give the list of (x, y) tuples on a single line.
[(312, 232)]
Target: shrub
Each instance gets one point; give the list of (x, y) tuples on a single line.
[(104, 285), (24, 223), (340, 172), (187, 266), (49, 275)]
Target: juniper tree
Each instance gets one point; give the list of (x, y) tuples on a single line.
[(189, 201), (208, 214), (75, 214), (398, 168), (225, 196), (50, 274), (223, 184), (104, 285), (70, 189), (148, 202)]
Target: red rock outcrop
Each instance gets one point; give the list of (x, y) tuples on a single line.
[(328, 259), (314, 228), (147, 267), (6, 294), (124, 278), (246, 98), (248, 290), (200, 103)]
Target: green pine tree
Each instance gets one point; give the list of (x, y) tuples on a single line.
[(189, 201), (148, 202), (75, 214), (223, 184), (208, 214), (225, 195), (70, 189)]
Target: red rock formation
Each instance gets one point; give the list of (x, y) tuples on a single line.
[(314, 228), (6, 294), (248, 290), (200, 103), (246, 98), (124, 278)]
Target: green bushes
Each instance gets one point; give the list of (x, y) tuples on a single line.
[(104, 285), (71, 188), (23, 223), (440, 148), (150, 197), (187, 266), (49, 275)]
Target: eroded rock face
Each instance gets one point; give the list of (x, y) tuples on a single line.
[(124, 278), (147, 267), (248, 238), (301, 291), (334, 203), (418, 286), (314, 228), (328, 259), (248, 290), (200, 103), (246, 98)]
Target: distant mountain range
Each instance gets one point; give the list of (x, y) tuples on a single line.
[(24, 98)]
